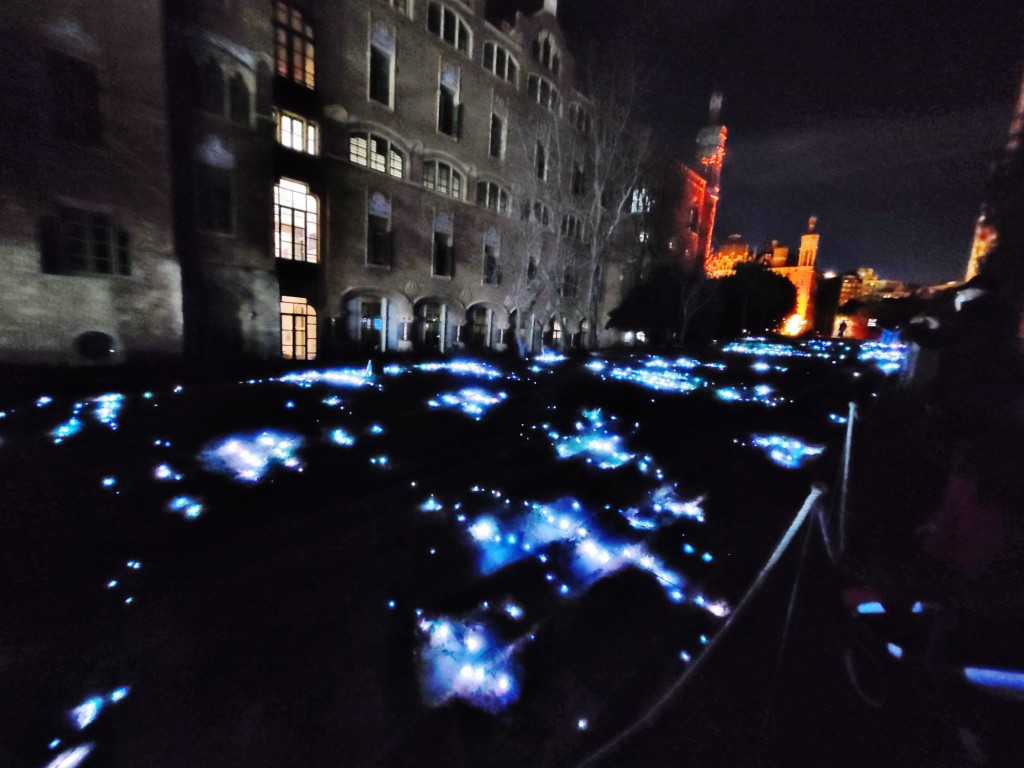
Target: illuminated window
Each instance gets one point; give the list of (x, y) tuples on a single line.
[(441, 177), (496, 147), (490, 195), (545, 50), (298, 329), (74, 100), (500, 62), (641, 202), (78, 242), (449, 26), (298, 133), (543, 92), (377, 154), (296, 222), (293, 44)]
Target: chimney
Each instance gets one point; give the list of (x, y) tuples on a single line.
[(551, 6)]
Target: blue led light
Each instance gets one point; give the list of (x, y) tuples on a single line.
[(376, 429), (164, 472), (186, 506), (788, 452), (339, 436), (888, 358), (549, 358), (894, 650), (871, 607), (467, 368), (71, 758), (1004, 679), (514, 611), (54, 744), (582, 724), (43, 401), (109, 482), (431, 505), (248, 457), (592, 442)]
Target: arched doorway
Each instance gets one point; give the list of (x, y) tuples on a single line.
[(437, 323), (371, 319)]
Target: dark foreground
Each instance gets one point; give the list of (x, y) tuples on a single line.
[(282, 622)]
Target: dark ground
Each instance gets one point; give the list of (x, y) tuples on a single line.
[(259, 634)]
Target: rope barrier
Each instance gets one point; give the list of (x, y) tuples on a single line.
[(787, 538)]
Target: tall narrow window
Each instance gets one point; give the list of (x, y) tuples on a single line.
[(211, 88), (297, 133), (541, 158), (296, 222), (444, 246), (382, 64), (293, 44), (239, 100), (214, 199), (500, 62), (492, 264), (75, 100), (379, 236), (496, 147), (298, 329), (543, 92), (577, 178), (490, 195)]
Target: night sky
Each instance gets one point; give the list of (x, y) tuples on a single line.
[(881, 117)]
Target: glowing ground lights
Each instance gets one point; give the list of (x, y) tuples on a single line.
[(472, 401), (463, 658), (595, 443), (85, 714), (788, 452), (888, 358), (248, 457), (466, 368), (344, 378)]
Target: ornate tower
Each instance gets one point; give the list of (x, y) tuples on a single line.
[(809, 244), (710, 154)]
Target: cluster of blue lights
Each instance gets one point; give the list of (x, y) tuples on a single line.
[(663, 507), (345, 378), (788, 452), (761, 394), (759, 347), (431, 505), (594, 442), (165, 472), (888, 358), (248, 457), (472, 401), (469, 368), (464, 658), (654, 373), (105, 410), (86, 713), (549, 358), (339, 436), (186, 506)]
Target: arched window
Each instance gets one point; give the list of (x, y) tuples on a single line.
[(376, 153), (298, 329), (543, 92), (442, 178), (211, 88), (239, 100), (572, 228), (449, 26), (293, 44), (500, 62), (545, 50), (296, 222), (493, 196)]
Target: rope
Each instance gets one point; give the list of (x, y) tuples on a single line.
[(847, 449), (656, 708)]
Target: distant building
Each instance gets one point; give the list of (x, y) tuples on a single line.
[(733, 251)]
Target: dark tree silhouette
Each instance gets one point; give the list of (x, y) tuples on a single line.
[(754, 299)]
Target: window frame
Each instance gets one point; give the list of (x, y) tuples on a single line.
[(300, 188), (510, 70), (372, 48), (535, 90), (491, 251), (448, 249), (307, 125), (502, 138), (461, 36), (493, 197), (392, 152), (309, 315), (56, 256), (205, 205), (286, 38), (434, 185), (76, 115)]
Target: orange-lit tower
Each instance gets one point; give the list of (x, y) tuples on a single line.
[(985, 234), (710, 154)]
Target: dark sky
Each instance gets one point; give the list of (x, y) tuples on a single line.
[(881, 117)]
